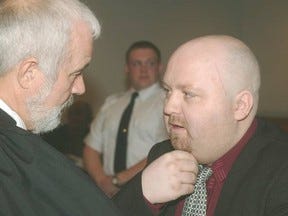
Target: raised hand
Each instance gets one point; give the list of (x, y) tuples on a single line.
[(170, 176)]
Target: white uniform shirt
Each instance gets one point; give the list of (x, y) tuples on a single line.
[(146, 126)]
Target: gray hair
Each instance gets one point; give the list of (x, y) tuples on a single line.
[(40, 29)]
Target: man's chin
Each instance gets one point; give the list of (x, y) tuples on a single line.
[(178, 143), (44, 119), (46, 126)]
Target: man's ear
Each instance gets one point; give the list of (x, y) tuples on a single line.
[(243, 105), (27, 72)]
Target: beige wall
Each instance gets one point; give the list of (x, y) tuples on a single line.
[(169, 23), (265, 28)]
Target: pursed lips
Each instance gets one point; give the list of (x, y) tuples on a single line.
[(175, 125)]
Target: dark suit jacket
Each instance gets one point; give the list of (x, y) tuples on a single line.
[(257, 184), (35, 179)]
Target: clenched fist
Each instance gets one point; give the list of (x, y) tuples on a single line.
[(170, 176)]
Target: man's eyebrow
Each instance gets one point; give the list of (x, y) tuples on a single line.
[(162, 83), (179, 86), (86, 66), (83, 68)]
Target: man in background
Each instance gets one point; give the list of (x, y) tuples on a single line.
[(44, 47), (146, 124), (220, 159)]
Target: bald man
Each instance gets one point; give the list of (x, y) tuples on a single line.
[(212, 86)]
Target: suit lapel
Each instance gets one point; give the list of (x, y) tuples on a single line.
[(240, 168)]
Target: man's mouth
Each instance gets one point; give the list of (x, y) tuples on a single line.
[(144, 77), (175, 126)]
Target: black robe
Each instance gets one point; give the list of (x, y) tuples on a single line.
[(35, 179)]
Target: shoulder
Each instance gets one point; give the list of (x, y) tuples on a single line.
[(269, 144), (154, 95), (113, 99), (159, 149), (272, 136), (156, 89)]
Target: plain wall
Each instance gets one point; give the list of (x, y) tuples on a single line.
[(265, 29), (168, 23)]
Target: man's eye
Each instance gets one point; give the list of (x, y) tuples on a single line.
[(166, 91), (151, 63), (188, 94), (76, 74), (136, 64)]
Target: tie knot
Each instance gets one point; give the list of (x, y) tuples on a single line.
[(134, 95), (204, 173)]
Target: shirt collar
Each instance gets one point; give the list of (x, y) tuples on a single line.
[(145, 93), (19, 122), (222, 166)]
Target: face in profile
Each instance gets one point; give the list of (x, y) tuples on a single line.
[(143, 68), (47, 105), (198, 113)]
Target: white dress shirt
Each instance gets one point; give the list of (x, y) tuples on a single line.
[(13, 114), (146, 126)]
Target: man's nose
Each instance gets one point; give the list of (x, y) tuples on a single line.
[(79, 86), (172, 104)]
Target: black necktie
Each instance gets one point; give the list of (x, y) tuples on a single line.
[(121, 141)]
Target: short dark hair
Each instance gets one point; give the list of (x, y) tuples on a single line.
[(143, 45)]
